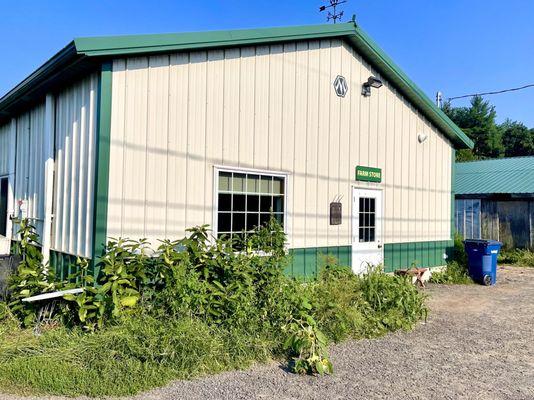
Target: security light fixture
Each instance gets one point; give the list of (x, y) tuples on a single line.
[(372, 82)]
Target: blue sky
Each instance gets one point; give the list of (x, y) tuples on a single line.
[(455, 46)]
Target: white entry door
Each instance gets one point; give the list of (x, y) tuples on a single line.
[(367, 246)]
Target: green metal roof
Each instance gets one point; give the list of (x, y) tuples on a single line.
[(505, 175), (84, 53)]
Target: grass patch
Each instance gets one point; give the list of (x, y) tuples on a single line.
[(140, 351), (196, 307), (517, 257), (137, 354), (456, 271)]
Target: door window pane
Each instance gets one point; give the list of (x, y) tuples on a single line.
[(367, 219)]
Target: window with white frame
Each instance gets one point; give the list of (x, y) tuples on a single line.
[(246, 200)]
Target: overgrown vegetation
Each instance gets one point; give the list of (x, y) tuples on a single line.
[(456, 271), (518, 257), (193, 307)]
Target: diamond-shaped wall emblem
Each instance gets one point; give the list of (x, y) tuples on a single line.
[(340, 86)]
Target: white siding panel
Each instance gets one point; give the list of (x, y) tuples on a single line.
[(117, 149), (261, 101), (246, 107), (157, 145), (309, 235), (270, 107), (75, 135), (300, 201), (4, 149), (196, 137), (215, 116), (135, 144), (289, 128), (29, 167), (275, 96), (177, 159)]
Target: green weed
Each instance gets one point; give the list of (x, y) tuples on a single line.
[(517, 257), (196, 307), (456, 271)]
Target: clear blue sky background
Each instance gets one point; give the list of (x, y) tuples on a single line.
[(456, 46)]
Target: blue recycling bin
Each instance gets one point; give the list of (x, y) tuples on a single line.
[(482, 260)]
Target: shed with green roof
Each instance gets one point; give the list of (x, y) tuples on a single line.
[(495, 200)]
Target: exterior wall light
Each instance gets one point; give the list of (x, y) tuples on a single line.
[(372, 82)]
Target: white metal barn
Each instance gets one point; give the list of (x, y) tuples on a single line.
[(144, 136)]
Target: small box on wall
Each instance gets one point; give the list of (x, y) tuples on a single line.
[(335, 213)]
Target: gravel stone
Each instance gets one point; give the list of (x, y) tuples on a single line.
[(478, 343)]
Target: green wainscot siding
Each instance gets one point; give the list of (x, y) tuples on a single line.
[(306, 263), (420, 254), (63, 264)]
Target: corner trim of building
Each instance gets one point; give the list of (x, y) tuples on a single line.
[(103, 142), (453, 194)]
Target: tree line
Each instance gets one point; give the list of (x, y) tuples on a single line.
[(492, 140)]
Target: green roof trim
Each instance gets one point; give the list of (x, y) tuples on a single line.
[(87, 50), (135, 44), (498, 176)]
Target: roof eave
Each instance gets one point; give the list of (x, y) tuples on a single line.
[(98, 47), (136, 44), (54, 65), (387, 67)]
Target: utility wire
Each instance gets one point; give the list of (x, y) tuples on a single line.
[(496, 92)]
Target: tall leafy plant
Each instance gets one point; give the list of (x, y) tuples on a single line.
[(31, 277)]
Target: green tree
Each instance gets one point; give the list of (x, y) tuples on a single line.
[(517, 139), (478, 123)]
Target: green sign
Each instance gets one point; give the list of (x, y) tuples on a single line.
[(368, 174)]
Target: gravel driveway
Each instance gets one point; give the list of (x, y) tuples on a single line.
[(478, 343)]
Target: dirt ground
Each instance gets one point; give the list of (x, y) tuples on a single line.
[(478, 343)]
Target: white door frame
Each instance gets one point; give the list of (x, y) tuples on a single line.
[(356, 246)]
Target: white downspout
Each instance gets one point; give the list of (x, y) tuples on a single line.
[(49, 175)]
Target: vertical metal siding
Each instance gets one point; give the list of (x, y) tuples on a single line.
[(5, 149), (75, 136), (269, 107), (29, 167)]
